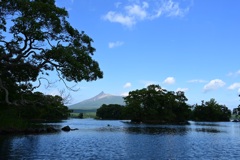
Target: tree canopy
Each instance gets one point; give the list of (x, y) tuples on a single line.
[(36, 39), (211, 111), (111, 111), (236, 111), (156, 105)]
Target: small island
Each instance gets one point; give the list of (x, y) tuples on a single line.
[(155, 105)]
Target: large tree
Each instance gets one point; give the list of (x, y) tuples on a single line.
[(211, 111), (36, 39), (156, 105), (110, 111)]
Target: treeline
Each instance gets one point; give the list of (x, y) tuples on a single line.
[(156, 105), (37, 106), (211, 111)]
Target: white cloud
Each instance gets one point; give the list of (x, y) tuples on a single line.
[(234, 86), (237, 73), (172, 9), (127, 85), (147, 83), (129, 15), (169, 80), (54, 92), (119, 18), (115, 44), (117, 4), (213, 85), (137, 11), (125, 94), (197, 81), (182, 89)]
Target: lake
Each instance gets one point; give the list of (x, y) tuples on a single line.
[(97, 139)]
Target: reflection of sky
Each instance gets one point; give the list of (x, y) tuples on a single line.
[(97, 139)]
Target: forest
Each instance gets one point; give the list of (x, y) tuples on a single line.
[(156, 105)]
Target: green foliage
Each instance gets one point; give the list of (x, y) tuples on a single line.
[(236, 111), (156, 105), (45, 107), (36, 39), (211, 111), (9, 119), (80, 115), (85, 115), (111, 111)]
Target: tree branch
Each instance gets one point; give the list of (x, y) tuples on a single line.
[(70, 88), (66, 97), (6, 92), (39, 83)]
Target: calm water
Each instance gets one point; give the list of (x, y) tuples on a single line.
[(97, 140)]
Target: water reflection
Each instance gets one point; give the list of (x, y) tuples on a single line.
[(210, 130), (5, 146), (117, 140), (210, 127), (146, 129), (163, 129), (157, 130), (209, 124)]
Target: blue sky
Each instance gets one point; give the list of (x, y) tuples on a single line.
[(188, 45)]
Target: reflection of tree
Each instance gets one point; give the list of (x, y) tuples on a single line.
[(5, 146), (19, 147), (157, 130)]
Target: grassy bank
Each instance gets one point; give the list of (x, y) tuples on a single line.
[(85, 115)]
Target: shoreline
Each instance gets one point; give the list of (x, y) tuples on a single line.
[(27, 131)]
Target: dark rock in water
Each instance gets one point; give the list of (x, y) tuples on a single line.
[(74, 129), (30, 130), (49, 129), (66, 128)]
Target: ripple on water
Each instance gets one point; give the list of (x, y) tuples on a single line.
[(97, 140)]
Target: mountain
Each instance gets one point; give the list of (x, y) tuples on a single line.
[(97, 101)]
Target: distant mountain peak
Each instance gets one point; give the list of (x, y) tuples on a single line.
[(100, 96), (98, 100)]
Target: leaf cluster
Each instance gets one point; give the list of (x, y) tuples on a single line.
[(156, 105), (44, 107), (211, 111), (35, 40), (111, 111)]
